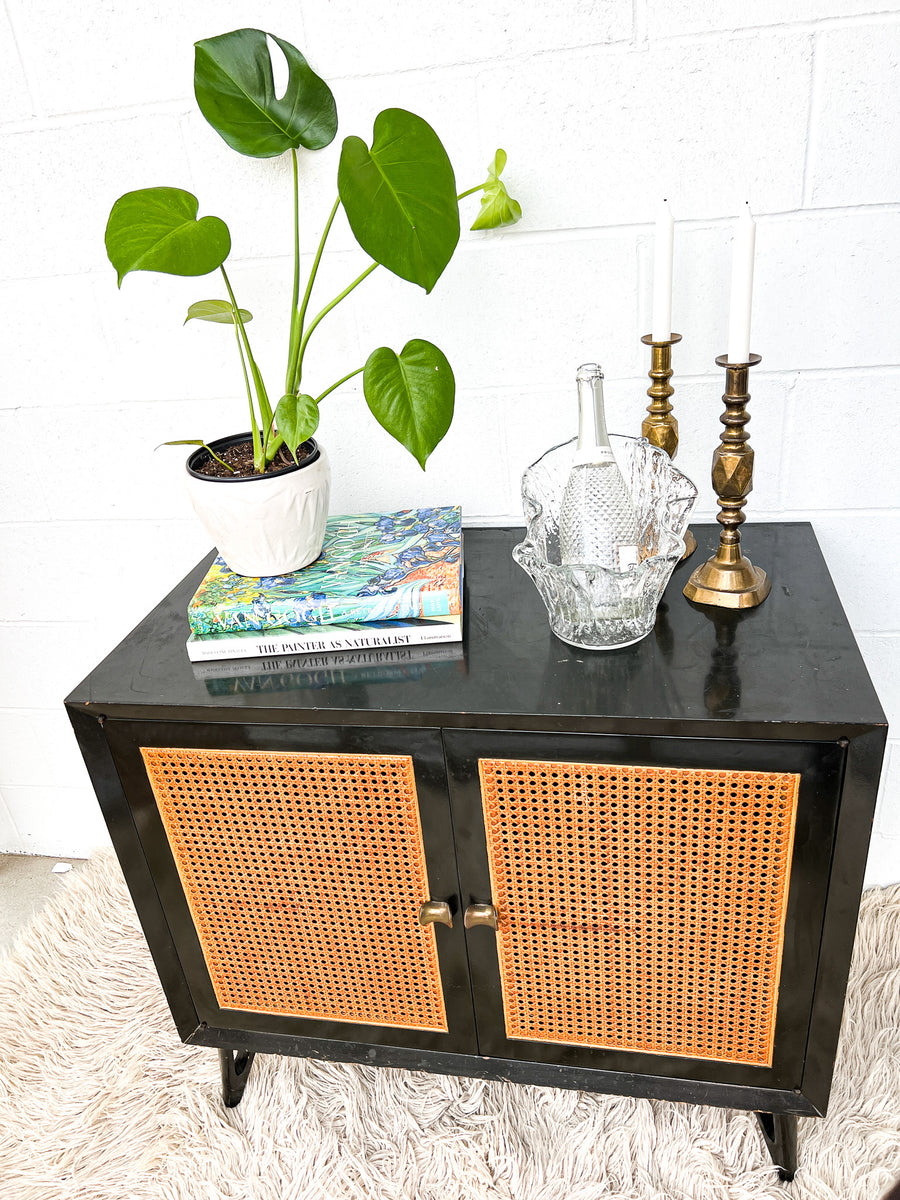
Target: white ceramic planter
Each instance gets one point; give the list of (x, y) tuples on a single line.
[(264, 524)]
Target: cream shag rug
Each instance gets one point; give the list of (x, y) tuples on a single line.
[(99, 1100)]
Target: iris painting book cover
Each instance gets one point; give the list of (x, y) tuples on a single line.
[(373, 567)]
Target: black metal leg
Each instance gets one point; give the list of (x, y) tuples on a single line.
[(235, 1066), (780, 1133)]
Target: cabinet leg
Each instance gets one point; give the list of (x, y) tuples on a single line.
[(235, 1066), (780, 1133)]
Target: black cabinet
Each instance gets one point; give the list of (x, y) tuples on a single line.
[(635, 871)]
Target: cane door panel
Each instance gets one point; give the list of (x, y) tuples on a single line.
[(295, 862), (655, 898)]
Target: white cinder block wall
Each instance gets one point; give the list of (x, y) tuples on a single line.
[(603, 107)]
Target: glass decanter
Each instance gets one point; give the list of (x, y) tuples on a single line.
[(597, 522)]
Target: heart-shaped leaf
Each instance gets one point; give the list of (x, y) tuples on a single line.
[(219, 311), (400, 197), (235, 89), (497, 206), (411, 395), (156, 229), (296, 418)]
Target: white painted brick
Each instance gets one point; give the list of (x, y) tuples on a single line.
[(825, 291), (107, 55), (371, 471), (672, 18), (149, 352), (882, 656), (853, 545), (63, 821), (104, 461), (598, 138), (399, 35), (883, 865), (39, 747), (59, 185), (10, 841), (887, 816), (94, 566), (22, 496), (56, 327), (857, 125), (15, 97), (42, 663), (241, 190), (698, 408), (508, 314), (829, 462)]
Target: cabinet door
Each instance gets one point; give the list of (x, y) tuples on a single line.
[(659, 900), (292, 863)]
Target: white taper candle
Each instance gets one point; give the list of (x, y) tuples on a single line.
[(741, 287), (661, 323)]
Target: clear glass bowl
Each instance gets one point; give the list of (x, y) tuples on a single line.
[(590, 606)]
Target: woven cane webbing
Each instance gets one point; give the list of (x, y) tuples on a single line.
[(304, 874), (640, 908)]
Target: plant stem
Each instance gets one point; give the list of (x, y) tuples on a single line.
[(265, 409), (327, 309), (477, 188), (253, 425), (334, 386), (294, 338), (213, 454), (292, 381)]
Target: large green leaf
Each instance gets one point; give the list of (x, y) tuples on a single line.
[(497, 206), (400, 197), (221, 312), (411, 395), (235, 90), (156, 229), (296, 419)]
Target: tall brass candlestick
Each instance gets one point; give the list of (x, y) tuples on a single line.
[(659, 427), (728, 579)]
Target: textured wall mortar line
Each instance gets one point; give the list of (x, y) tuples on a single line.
[(812, 123), (502, 240), (640, 24), (814, 107), (23, 65), (51, 122), (810, 25)]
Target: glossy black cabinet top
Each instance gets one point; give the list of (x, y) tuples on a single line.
[(791, 662)]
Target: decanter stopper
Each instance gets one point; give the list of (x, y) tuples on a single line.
[(597, 523)]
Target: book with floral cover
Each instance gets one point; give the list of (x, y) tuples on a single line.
[(374, 567)]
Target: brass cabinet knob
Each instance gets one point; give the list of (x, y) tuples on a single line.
[(435, 912), (480, 914)]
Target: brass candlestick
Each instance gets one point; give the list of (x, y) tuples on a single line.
[(728, 579), (659, 427)]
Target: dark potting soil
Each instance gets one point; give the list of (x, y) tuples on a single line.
[(240, 458)]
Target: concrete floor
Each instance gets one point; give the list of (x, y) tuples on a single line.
[(27, 882)]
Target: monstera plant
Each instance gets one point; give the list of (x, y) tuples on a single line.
[(400, 199)]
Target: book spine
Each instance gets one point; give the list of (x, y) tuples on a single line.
[(220, 645), (404, 605)]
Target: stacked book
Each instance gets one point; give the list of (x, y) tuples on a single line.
[(383, 580)]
